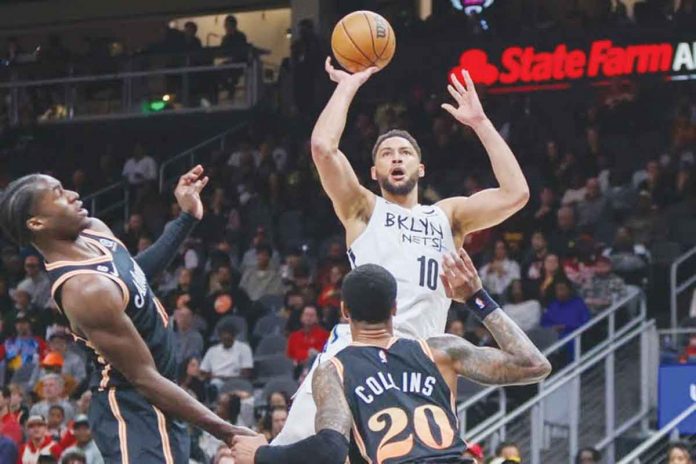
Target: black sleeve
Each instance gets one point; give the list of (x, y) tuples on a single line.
[(326, 447), (158, 256)]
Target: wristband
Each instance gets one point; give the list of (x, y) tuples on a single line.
[(481, 304)]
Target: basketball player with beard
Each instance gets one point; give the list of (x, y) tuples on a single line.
[(395, 231)]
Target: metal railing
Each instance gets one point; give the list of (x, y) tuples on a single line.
[(188, 158), (543, 441), (497, 394), (649, 448), (108, 200), (677, 288)]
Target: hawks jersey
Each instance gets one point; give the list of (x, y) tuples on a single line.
[(403, 410), (139, 302), (409, 243)]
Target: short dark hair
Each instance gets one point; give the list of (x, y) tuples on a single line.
[(264, 246), (15, 208), (191, 24), (395, 133), (230, 19), (369, 292), (596, 455), (58, 407), (503, 445)]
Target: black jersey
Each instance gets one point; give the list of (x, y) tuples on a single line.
[(139, 302), (403, 410)]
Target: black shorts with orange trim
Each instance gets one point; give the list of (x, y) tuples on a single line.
[(129, 430)]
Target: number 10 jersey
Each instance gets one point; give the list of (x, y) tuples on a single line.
[(403, 410), (410, 244)]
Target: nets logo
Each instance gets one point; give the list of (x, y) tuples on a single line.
[(602, 59)]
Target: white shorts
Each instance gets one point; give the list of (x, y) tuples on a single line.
[(300, 422)]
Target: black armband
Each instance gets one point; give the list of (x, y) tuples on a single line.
[(481, 304), (326, 447)]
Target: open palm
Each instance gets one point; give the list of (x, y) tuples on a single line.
[(469, 110)]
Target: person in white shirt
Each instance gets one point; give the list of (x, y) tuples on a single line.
[(500, 272), (140, 168), (524, 311), (36, 283), (228, 359)]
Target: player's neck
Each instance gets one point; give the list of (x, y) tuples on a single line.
[(65, 250), (372, 334), (407, 201)]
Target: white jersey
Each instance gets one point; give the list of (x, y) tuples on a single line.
[(410, 244)]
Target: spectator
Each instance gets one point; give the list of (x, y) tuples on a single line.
[(234, 41), (73, 364), (52, 394), (140, 169), (9, 425), (188, 342), (330, 295), (566, 311), (563, 239), (689, 353), (249, 259), (455, 327), (18, 407), (38, 442), (588, 456), (594, 208), (533, 264), (604, 287), (262, 279), (497, 275), (335, 256), (74, 457), (629, 259), (306, 59), (191, 42), (55, 424), (545, 215), (274, 422), (8, 450), (23, 349), (190, 378), (551, 271), (508, 450), (644, 221), (85, 444), (132, 231), (52, 363), (310, 339), (526, 312), (278, 399), (679, 453), (36, 283), (229, 359)]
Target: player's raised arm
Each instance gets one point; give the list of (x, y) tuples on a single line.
[(492, 206), (94, 305), (349, 198), (518, 361)]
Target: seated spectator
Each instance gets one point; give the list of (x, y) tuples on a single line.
[(630, 260), (36, 283), (335, 256), (262, 279), (526, 312), (644, 221), (310, 339), (689, 353), (85, 444), (72, 366), (273, 422), (278, 399), (188, 342), (533, 263), (38, 441), (24, 348), (588, 456), (497, 275), (562, 240), (603, 288), (566, 311), (74, 457), (140, 168), (545, 215), (678, 453), (56, 424), (18, 405), (330, 295), (229, 359), (53, 393), (508, 450), (9, 425), (52, 363), (455, 327), (292, 310), (594, 207), (191, 379), (576, 190), (579, 263), (132, 231), (551, 271)]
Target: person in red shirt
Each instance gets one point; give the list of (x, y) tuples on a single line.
[(310, 339), (39, 442), (689, 353), (9, 426)]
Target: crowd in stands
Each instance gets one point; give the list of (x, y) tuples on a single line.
[(255, 291)]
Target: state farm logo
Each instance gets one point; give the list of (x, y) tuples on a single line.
[(526, 65)]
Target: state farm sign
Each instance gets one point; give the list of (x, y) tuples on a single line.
[(602, 59)]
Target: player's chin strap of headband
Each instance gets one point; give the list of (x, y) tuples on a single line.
[(481, 304), (326, 447)]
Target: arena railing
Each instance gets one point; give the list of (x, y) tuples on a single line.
[(109, 200), (591, 418), (676, 288), (654, 449), (628, 311)]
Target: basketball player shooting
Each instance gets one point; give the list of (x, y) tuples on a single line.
[(114, 314), (382, 387), (394, 230)]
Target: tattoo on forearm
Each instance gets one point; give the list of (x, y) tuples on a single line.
[(333, 411), (517, 362)]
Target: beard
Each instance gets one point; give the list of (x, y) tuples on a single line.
[(403, 189)]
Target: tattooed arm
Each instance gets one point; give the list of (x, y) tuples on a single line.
[(516, 362), (333, 412)]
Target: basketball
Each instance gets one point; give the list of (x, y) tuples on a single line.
[(363, 39)]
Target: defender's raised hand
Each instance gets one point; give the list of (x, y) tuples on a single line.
[(459, 276), (469, 110), (188, 191), (358, 78)]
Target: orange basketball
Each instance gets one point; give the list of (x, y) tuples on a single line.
[(363, 39)]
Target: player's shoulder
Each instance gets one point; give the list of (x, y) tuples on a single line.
[(85, 289)]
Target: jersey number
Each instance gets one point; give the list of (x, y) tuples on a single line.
[(428, 272), (398, 421)]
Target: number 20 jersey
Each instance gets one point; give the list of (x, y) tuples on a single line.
[(403, 410), (410, 244)]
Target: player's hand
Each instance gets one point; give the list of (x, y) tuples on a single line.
[(459, 276), (469, 110), (188, 192), (339, 76), (244, 448)]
